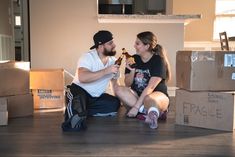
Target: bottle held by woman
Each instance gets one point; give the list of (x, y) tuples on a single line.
[(129, 57)]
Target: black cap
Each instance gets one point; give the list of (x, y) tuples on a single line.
[(101, 37)]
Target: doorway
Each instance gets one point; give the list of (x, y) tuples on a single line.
[(21, 33)]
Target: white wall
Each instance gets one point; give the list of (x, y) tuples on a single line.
[(199, 30), (5, 17), (6, 33), (61, 30)]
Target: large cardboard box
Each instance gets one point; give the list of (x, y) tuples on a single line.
[(212, 110), (205, 70), (14, 78), (20, 105), (48, 88)]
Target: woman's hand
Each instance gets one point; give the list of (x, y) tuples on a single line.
[(133, 112), (129, 62)]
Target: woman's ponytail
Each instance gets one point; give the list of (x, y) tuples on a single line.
[(159, 50)]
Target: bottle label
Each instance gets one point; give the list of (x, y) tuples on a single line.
[(116, 75)]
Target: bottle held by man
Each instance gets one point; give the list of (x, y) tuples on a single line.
[(119, 60)]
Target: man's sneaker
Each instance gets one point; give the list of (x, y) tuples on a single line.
[(151, 119), (74, 124), (77, 122)]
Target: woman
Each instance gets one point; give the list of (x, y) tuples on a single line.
[(148, 91)]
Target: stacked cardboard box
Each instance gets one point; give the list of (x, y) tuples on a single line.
[(207, 83), (3, 111), (48, 88), (14, 83)]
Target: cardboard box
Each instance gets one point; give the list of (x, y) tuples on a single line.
[(48, 79), (3, 112), (205, 70), (48, 99), (48, 88), (3, 118), (212, 110), (3, 104), (20, 105), (14, 78)]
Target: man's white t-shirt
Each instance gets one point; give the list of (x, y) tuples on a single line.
[(92, 62)]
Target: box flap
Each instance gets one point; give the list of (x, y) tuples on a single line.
[(47, 79)]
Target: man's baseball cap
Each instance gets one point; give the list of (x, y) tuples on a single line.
[(101, 37)]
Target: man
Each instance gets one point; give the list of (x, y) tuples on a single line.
[(86, 95)]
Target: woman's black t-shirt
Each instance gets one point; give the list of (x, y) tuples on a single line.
[(144, 71)]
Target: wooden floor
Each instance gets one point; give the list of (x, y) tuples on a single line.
[(41, 135)]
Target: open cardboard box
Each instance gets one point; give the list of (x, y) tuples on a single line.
[(48, 88)]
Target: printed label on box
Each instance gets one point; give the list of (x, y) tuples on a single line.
[(43, 91), (47, 94), (229, 60), (233, 76), (48, 98)]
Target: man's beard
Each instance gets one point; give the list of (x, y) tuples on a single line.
[(109, 53)]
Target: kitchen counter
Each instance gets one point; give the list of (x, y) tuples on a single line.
[(231, 38), (169, 30), (134, 18)]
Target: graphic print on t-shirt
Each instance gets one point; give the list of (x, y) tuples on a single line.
[(141, 79)]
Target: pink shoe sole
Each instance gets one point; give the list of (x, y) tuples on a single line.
[(141, 117)]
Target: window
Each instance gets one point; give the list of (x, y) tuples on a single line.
[(224, 18), (147, 7), (17, 21)]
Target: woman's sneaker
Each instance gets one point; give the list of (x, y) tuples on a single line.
[(141, 116), (163, 116), (151, 119)]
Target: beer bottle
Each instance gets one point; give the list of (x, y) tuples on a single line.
[(119, 60), (127, 55)]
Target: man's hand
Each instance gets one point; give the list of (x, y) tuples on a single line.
[(113, 69), (87, 76)]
